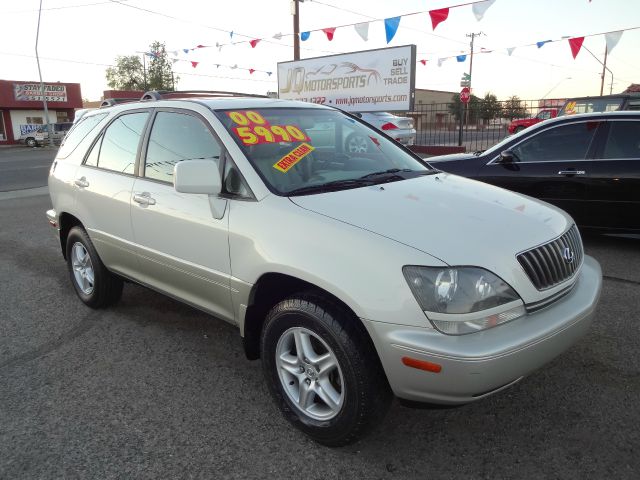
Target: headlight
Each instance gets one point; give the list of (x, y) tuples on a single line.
[(460, 300)]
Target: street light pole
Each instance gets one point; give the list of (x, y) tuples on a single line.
[(44, 97)]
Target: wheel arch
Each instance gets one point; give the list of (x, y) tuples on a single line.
[(272, 288), (66, 222)]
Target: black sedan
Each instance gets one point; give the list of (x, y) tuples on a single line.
[(588, 165)]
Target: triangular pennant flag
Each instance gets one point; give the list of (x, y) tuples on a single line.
[(201, 46), (612, 39), (254, 42), (304, 36), (234, 67), (363, 30), (438, 16), (251, 70), (278, 36), (576, 45), (269, 73), (194, 64), (217, 65), (391, 27), (231, 34), (174, 53), (510, 50), (540, 44), (185, 50), (480, 8), (174, 60), (329, 32), (461, 58), (423, 62), (441, 61)]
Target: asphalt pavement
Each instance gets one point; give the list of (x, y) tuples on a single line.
[(155, 389)]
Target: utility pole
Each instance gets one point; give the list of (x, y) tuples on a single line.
[(44, 97), (604, 68), (473, 37), (295, 11)]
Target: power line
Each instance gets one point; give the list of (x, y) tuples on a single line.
[(66, 7)]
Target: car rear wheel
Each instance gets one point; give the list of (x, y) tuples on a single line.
[(30, 142), (96, 286), (357, 143), (322, 370)]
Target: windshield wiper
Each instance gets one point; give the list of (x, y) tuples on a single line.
[(330, 186), (386, 172)]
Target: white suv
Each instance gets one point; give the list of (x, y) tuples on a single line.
[(354, 276)]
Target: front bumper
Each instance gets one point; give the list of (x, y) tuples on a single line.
[(476, 365)]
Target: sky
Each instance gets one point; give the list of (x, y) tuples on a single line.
[(79, 39)]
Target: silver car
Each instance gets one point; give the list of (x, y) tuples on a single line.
[(354, 276), (399, 128)]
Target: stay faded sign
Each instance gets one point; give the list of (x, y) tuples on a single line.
[(29, 92), (367, 81)]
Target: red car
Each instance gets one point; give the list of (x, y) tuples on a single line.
[(519, 125)]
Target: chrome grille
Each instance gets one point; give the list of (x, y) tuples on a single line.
[(548, 265)]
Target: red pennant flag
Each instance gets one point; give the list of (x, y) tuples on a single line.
[(201, 46), (329, 32), (438, 16), (424, 62), (254, 42), (194, 64), (576, 45), (251, 70)]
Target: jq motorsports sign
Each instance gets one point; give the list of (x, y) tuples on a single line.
[(368, 81), (28, 92)]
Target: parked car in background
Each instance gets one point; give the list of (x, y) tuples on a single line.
[(399, 128), (518, 125), (586, 164), (352, 275), (59, 130), (605, 103)]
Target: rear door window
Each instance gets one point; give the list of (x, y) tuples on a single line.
[(623, 140), (564, 142)]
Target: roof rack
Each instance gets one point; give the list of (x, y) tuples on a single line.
[(168, 94), (110, 102)]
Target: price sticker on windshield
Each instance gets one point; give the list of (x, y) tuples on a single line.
[(254, 129)]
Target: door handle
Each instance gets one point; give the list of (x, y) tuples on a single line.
[(81, 182), (571, 172), (144, 198)]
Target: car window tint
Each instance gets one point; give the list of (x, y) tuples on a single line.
[(564, 142), (120, 143), (78, 133), (623, 140), (176, 137)]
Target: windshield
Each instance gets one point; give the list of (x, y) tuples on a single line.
[(300, 151)]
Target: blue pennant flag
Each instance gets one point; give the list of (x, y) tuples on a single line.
[(305, 36), (461, 58), (391, 27), (540, 44)]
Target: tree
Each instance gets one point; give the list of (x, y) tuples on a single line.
[(127, 73), (513, 108), (160, 73), (473, 106), (130, 73), (489, 107)]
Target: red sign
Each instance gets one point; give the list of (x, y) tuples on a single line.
[(465, 95)]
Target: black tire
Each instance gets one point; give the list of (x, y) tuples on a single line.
[(359, 380), (30, 142), (102, 288)]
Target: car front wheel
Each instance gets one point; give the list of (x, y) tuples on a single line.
[(322, 370), (96, 286), (30, 142)]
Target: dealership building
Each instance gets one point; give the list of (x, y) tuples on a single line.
[(22, 110)]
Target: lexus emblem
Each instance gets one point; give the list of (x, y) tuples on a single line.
[(568, 255)]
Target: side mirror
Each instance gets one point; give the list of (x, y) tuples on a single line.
[(197, 176), (507, 156)]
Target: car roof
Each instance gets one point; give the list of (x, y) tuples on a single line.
[(592, 116)]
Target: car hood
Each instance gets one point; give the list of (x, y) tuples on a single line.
[(458, 220), (450, 157)]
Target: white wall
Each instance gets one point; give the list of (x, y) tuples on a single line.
[(19, 117)]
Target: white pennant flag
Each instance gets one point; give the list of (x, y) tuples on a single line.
[(278, 36), (440, 61), (479, 9), (363, 30), (612, 39), (510, 50)]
